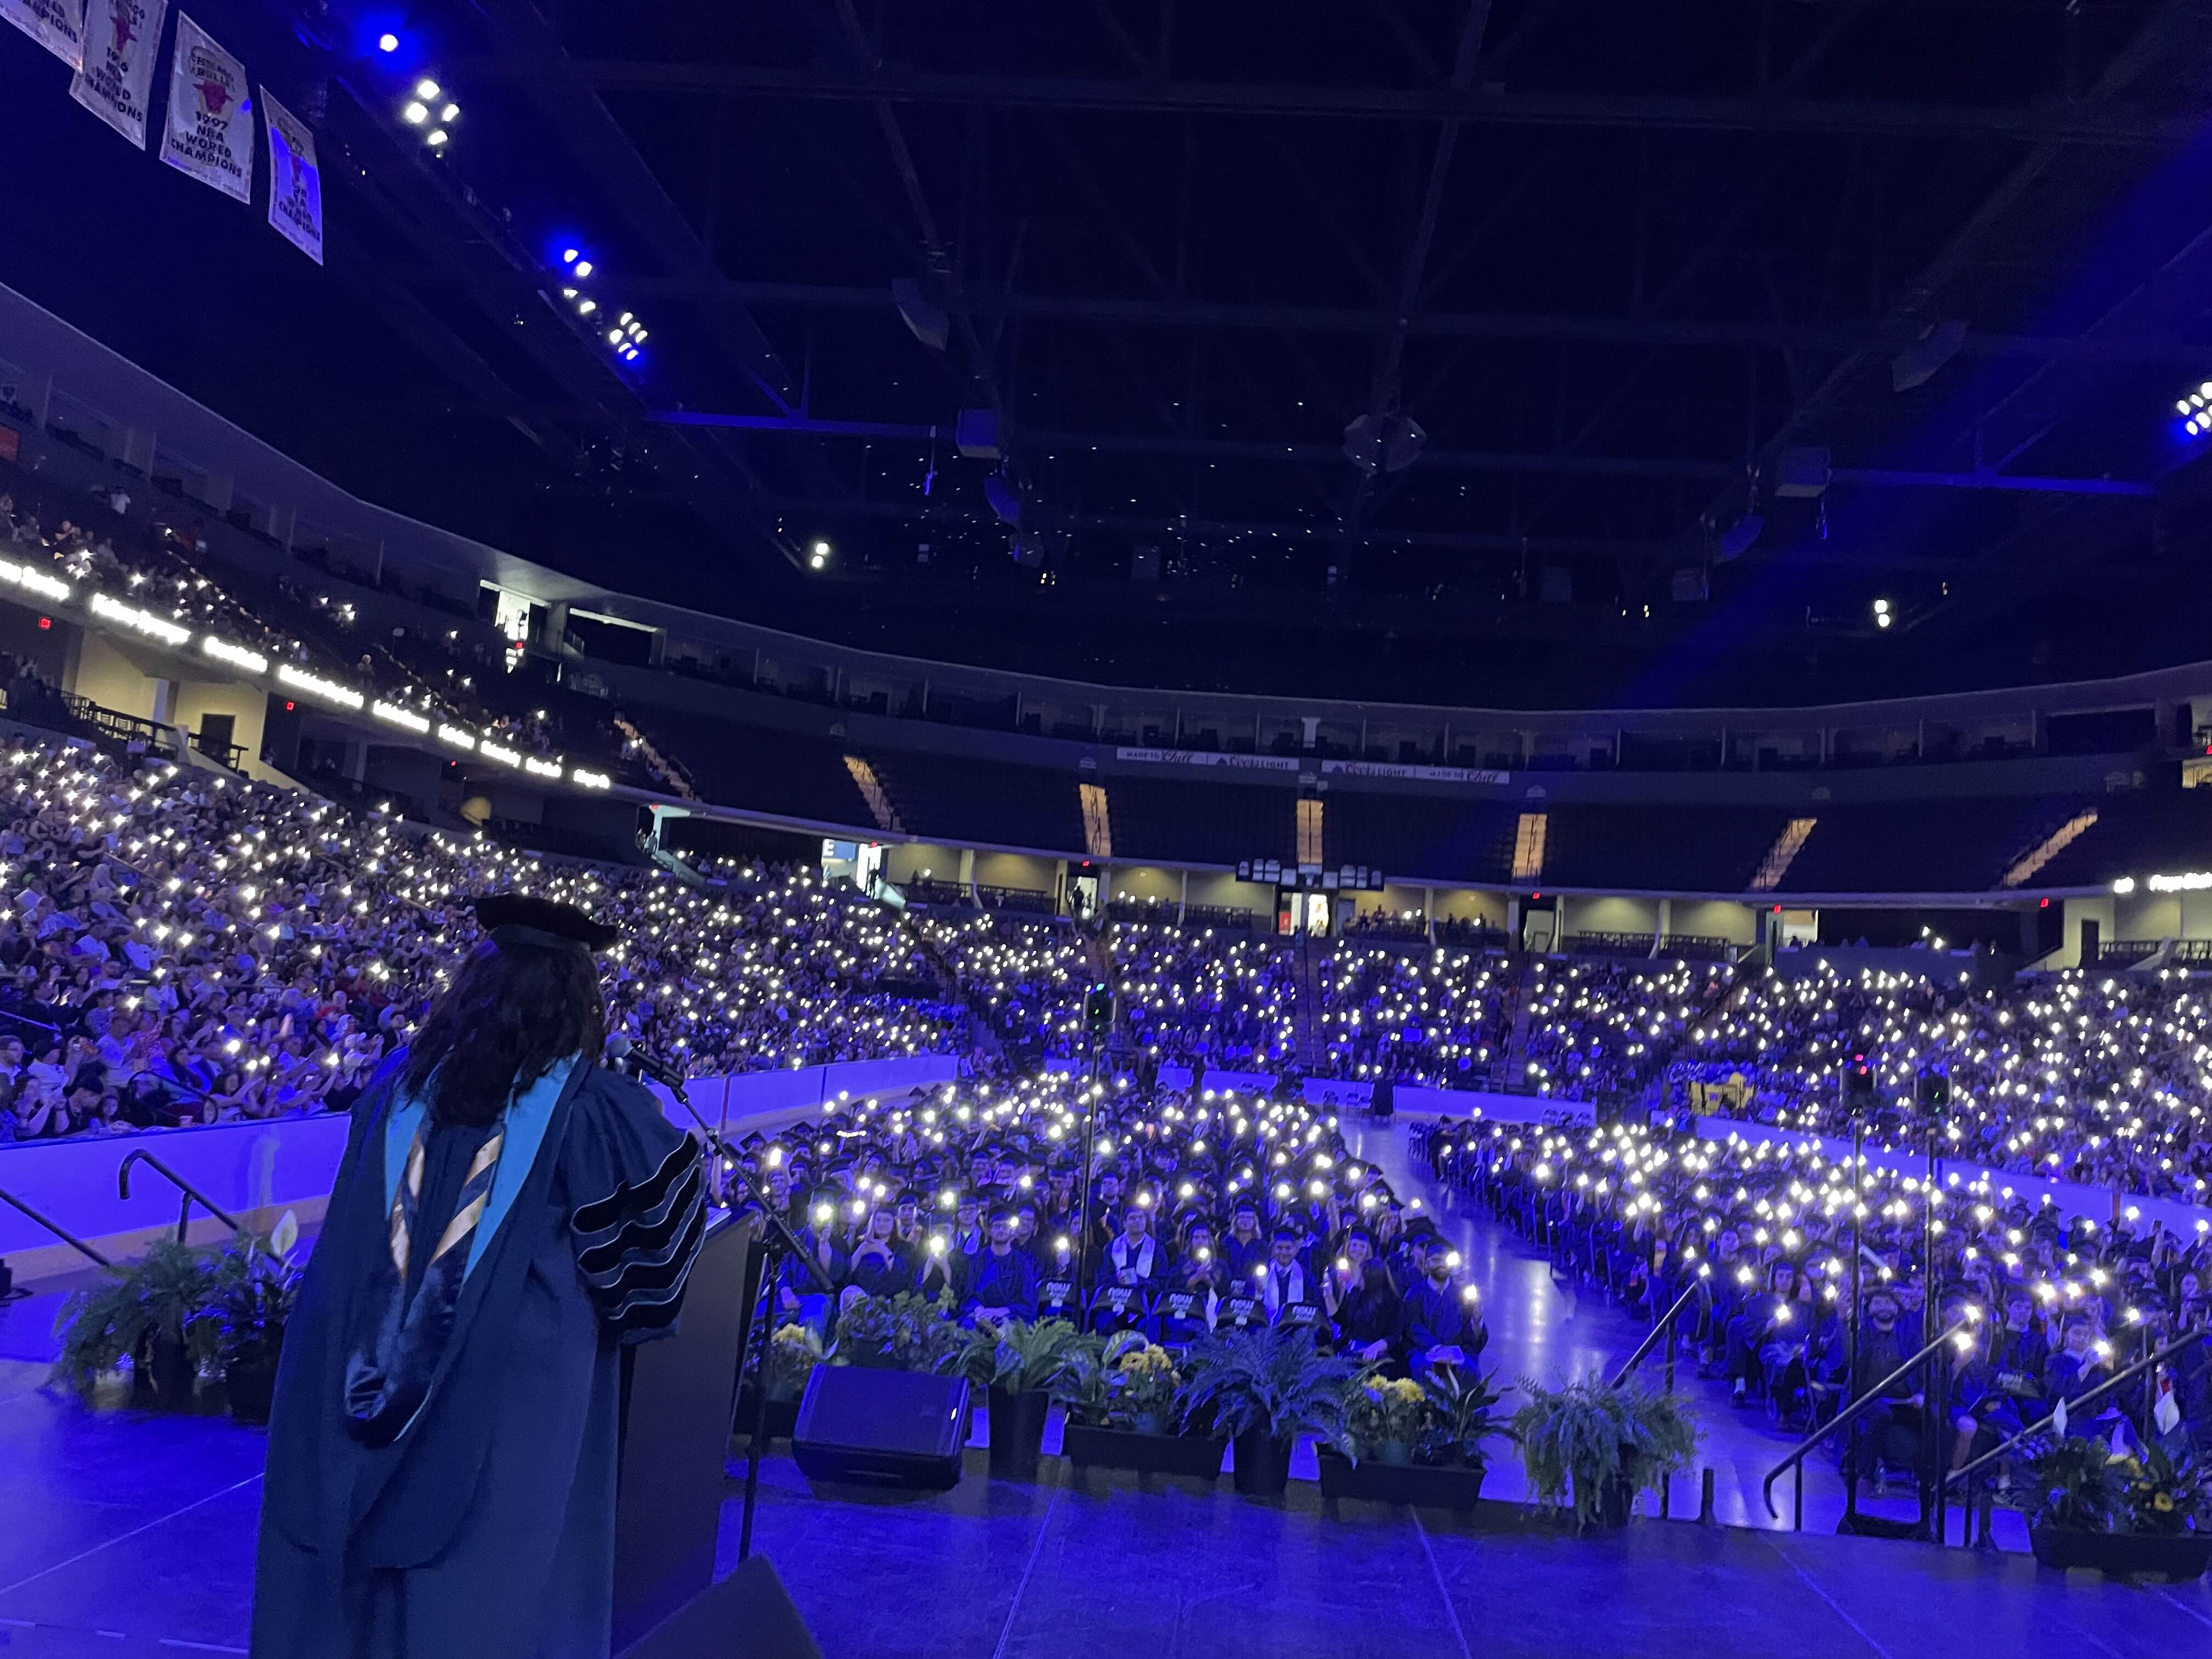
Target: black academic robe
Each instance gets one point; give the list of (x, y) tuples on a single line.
[(486, 1527)]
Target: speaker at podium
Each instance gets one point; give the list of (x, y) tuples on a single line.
[(677, 1394)]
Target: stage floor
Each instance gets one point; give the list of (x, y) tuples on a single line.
[(1067, 1571)]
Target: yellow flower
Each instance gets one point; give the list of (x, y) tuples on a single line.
[(2162, 1502)]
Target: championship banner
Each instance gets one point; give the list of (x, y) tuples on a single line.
[(209, 131), (120, 39), (295, 183), (57, 24)]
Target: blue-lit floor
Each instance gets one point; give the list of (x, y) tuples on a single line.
[(130, 1536)]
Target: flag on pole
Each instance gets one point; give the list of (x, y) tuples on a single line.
[(209, 129), (57, 24), (117, 75), (295, 183)]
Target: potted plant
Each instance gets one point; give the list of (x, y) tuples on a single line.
[(907, 1331), (255, 1285), (1591, 1446), (2119, 1513), (793, 1351), (1260, 1390), (152, 1312), (1027, 1362), (1122, 1414), (1446, 1461)]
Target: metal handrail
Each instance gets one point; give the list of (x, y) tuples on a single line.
[(62, 1233), (1805, 1448), (2148, 1361), (1666, 1323), (139, 1155)]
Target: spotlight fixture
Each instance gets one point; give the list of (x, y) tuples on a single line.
[(426, 89), (2196, 410), (583, 267), (415, 114), (387, 43), (817, 557)]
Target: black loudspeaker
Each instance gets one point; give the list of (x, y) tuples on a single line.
[(881, 1428), (747, 1614)]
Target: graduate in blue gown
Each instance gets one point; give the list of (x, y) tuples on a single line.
[(507, 1215)]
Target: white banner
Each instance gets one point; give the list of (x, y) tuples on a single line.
[(1209, 757), (120, 39), (295, 183), (209, 129), (57, 24), (1423, 774)]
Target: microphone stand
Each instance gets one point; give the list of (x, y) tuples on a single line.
[(777, 1240)]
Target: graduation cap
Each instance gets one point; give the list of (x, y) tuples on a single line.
[(514, 919)]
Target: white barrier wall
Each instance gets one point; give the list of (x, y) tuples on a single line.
[(258, 1170)]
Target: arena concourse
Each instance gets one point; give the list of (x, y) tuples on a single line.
[(1412, 799)]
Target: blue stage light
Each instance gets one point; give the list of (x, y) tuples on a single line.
[(387, 43)]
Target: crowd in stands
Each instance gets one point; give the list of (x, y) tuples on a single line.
[(1779, 1240), (1439, 1018), (179, 947), (1205, 1211), (1192, 995)]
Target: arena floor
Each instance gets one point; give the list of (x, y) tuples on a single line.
[(133, 1536)]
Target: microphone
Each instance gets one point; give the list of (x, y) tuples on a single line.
[(624, 1052)]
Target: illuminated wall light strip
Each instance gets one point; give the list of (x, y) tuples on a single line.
[(316, 686), (34, 580), (140, 621), (236, 655), (491, 751), (457, 738), (392, 714), (542, 768), (591, 779)]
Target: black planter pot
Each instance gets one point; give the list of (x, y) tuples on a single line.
[(1616, 1500), (782, 1416), (1017, 1433), (252, 1385), (170, 1365), (2184, 1555), (1449, 1488), (1147, 1454), (1262, 1465)]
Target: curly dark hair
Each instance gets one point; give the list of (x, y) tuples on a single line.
[(509, 1015)]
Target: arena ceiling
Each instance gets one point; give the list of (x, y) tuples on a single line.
[(1633, 270)]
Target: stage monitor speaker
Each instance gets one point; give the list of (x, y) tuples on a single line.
[(747, 1615), (881, 1428)]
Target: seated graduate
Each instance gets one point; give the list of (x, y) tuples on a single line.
[(1363, 1306), (1287, 1290), (880, 1265), (1443, 1319), (1136, 1257), (1246, 1246), (1003, 1280), (1059, 1293), (441, 1476)]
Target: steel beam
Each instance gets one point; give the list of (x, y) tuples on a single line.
[(2096, 122), (1461, 461), (1877, 335)]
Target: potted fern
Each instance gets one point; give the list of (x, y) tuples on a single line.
[(1122, 1414), (1260, 1390), (2119, 1513), (1590, 1447), (1411, 1442), (154, 1312), (1029, 1361)]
